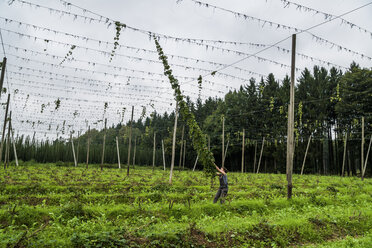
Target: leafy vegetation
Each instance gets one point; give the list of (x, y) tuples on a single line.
[(51, 206)]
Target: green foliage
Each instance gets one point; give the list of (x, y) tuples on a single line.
[(199, 139), (50, 206), (118, 27), (101, 239)]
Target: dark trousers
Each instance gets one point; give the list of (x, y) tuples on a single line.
[(222, 192)]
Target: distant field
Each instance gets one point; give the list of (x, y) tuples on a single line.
[(50, 206)]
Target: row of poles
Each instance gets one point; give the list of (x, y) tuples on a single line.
[(7, 120)]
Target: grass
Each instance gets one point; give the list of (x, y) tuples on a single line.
[(52, 206)]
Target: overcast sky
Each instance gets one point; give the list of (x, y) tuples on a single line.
[(37, 78)]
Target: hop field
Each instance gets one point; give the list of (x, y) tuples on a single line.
[(50, 206)]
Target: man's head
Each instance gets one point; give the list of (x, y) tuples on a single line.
[(224, 169)]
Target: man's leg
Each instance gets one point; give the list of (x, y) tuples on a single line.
[(223, 195), (217, 195)]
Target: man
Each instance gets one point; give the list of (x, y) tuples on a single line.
[(223, 189)]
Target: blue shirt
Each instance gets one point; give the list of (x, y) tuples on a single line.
[(223, 181)]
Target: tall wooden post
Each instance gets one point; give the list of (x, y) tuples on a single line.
[(227, 146), (255, 157), (243, 146), (290, 134), (173, 144), (14, 145), (162, 148), (7, 148), (196, 161), (362, 149), (77, 150), (259, 161), (223, 141), (88, 145), (181, 150), (134, 151), (307, 149), (117, 151), (344, 156), (184, 154), (153, 152), (103, 145), (3, 67), (130, 140), (4, 128), (366, 161), (73, 149)]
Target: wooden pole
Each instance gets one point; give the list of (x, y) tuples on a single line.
[(103, 145), (6, 160), (259, 161), (130, 140), (243, 150), (173, 144), (255, 157), (3, 67), (223, 141), (362, 149), (14, 146), (181, 150), (4, 128), (184, 154), (307, 149), (227, 146), (366, 161), (290, 134), (344, 156), (88, 145), (153, 152), (134, 151), (77, 150), (162, 147), (73, 149), (8, 149), (117, 151), (196, 161)]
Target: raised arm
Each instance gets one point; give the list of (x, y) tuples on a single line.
[(221, 171)]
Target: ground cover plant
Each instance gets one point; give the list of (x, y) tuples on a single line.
[(46, 205)]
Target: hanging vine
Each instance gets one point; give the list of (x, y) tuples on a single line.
[(69, 54), (199, 139), (105, 106), (57, 103), (143, 112), (118, 27), (271, 104), (200, 81), (42, 108)]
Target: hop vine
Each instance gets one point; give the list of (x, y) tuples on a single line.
[(271, 104), (199, 139), (118, 26), (57, 103), (42, 108), (69, 54), (200, 81)]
